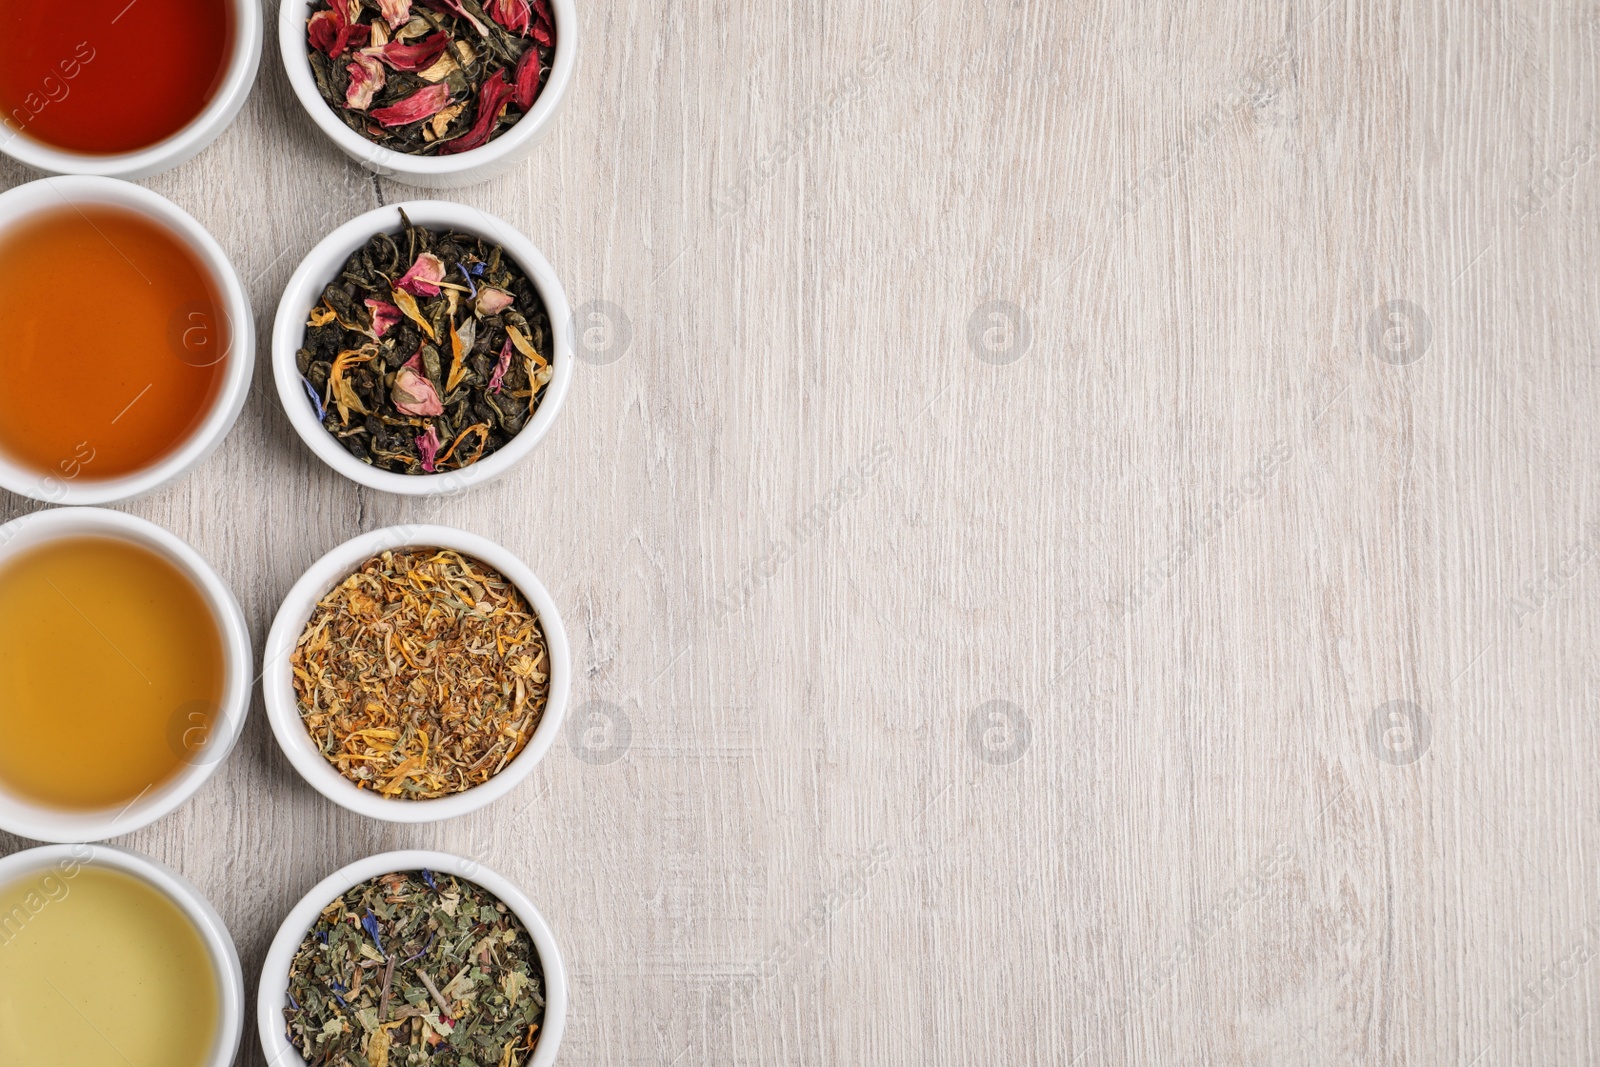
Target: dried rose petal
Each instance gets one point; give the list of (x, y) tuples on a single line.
[(455, 8), (514, 15), (366, 79), (424, 276), (501, 365), (527, 81), (419, 105), (491, 301), (412, 392), (415, 56), (428, 444), (491, 99), (384, 316), (395, 12)]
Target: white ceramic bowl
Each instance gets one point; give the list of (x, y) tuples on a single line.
[(322, 265), (433, 172), (62, 859), (182, 146), (283, 712), (27, 818), (17, 204), (272, 994)]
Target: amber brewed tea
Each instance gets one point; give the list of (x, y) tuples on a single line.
[(113, 342), (111, 672), (104, 77)]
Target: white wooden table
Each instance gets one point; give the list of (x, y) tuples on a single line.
[(1078, 528)]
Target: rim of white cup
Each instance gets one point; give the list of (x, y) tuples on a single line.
[(195, 907), (18, 204), (29, 818), (322, 265), (226, 100), (272, 993), (292, 45), (283, 711)]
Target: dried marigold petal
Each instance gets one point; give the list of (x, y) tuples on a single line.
[(529, 67), (428, 100), (492, 99), (366, 79), (424, 276)]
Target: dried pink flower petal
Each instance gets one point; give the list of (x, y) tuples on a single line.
[(514, 15), (429, 444), (395, 12), (491, 301), (366, 79), (429, 100), (492, 100), (384, 316), (526, 85), (424, 276), (501, 365), (412, 392), (417, 56)]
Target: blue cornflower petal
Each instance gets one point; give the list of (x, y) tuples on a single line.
[(427, 876), (316, 401), (467, 276), (370, 924)]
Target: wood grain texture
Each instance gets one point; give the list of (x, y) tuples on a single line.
[(1040, 353)]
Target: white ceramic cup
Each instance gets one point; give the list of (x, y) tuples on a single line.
[(201, 750), (272, 994), (283, 712), (323, 264), (432, 172), (229, 97), (52, 487), (61, 859)]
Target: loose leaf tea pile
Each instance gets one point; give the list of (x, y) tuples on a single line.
[(428, 352), (422, 674), (434, 78), (415, 968)]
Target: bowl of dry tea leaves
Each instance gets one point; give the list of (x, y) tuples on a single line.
[(416, 673), (423, 349), (413, 958), (437, 93)]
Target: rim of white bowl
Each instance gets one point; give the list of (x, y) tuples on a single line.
[(283, 711), (292, 45), (226, 100), (321, 266), (213, 931), (17, 204), (272, 993), (28, 818)]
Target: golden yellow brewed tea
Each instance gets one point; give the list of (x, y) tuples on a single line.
[(98, 967), (111, 672)]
